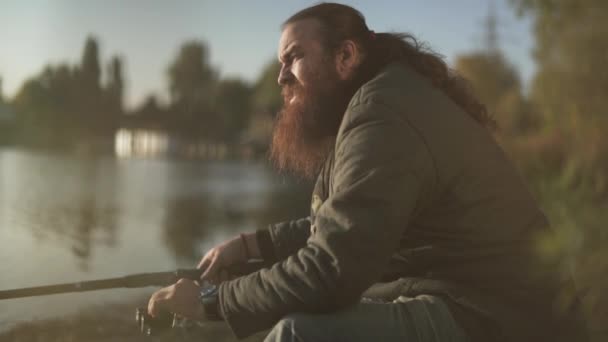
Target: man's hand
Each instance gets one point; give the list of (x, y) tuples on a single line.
[(229, 253), (180, 298)]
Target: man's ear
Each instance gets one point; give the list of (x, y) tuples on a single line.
[(348, 57)]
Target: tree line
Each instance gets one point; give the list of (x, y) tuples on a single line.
[(67, 105), (555, 132)]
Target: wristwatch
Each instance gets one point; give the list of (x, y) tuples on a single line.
[(208, 298)]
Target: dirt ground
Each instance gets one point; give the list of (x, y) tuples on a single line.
[(115, 323)]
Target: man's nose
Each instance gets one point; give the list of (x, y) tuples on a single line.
[(285, 76)]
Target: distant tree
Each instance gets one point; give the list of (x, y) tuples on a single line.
[(115, 86), (571, 49), (192, 84), (6, 121), (90, 105), (570, 85), (90, 71), (233, 104), (151, 111), (569, 88), (190, 75), (267, 93), (496, 82), (42, 105), (64, 105)]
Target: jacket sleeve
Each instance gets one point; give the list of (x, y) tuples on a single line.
[(382, 169), (281, 240)]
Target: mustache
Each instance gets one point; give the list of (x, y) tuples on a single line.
[(290, 90)]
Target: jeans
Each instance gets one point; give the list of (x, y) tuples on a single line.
[(423, 318)]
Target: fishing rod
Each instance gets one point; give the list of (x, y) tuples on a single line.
[(147, 324)]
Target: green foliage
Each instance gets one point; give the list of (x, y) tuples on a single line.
[(571, 50), (566, 161), (66, 105), (202, 105), (192, 86), (233, 101), (496, 83), (6, 121), (90, 70), (191, 78), (267, 93), (490, 74), (115, 87)]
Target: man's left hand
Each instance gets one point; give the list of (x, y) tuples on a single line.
[(181, 298)]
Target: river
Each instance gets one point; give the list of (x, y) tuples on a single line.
[(67, 218)]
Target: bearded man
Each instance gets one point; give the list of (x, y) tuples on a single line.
[(420, 227)]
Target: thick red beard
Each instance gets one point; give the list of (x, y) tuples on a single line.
[(305, 130)]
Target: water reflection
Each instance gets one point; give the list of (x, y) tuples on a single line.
[(227, 197), (66, 200), (76, 203), (185, 224), (65, 218)]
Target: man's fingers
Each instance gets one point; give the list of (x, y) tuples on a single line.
[(210, 272), (156, 305), (203, 264)]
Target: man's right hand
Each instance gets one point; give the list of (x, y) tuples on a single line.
[(226, 254)]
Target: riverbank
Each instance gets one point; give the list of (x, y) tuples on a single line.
[(110, 323)]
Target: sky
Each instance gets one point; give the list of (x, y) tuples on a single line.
[(242, 36)]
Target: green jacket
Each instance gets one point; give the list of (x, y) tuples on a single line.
[(416, 198)]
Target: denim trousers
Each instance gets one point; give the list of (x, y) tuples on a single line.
[(423, 318)]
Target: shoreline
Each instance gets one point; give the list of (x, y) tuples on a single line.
[(115, 322)]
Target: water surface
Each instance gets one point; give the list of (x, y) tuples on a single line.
[(69, 218)]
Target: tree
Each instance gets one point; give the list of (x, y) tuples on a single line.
[(191, 78), (115, 85), (267, 93), (496, 82), (192, 84), (90, 110), (569, 88), (570, 85), (497, 85), (65, 105), (45, 108), (233, 104), (571, 50), (90, 70)]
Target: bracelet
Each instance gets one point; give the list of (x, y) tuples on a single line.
[(242, 235)]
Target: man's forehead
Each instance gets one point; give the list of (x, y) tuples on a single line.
[(301, 32)]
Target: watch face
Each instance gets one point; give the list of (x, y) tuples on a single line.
[(208, 291), (209, 300)]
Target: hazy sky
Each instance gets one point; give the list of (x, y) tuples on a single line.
[(242, 35)]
